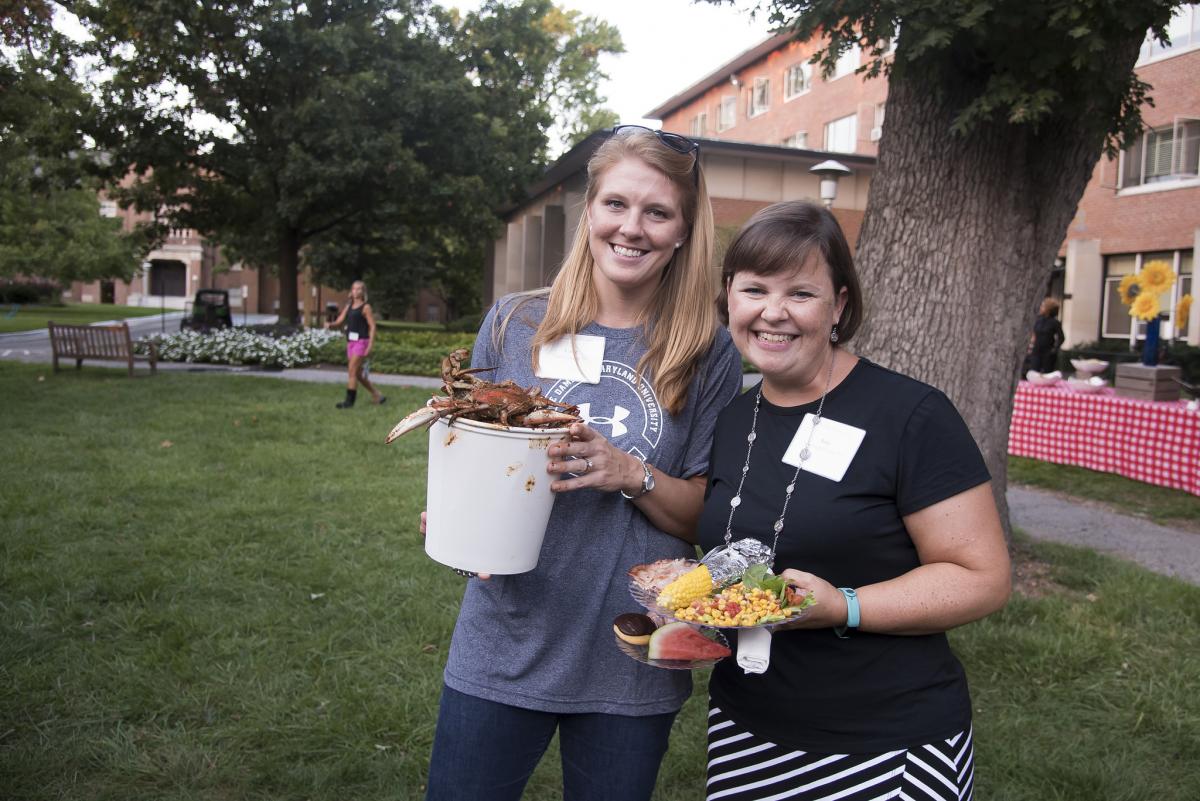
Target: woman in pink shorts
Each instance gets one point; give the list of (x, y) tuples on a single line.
[(360, 333)]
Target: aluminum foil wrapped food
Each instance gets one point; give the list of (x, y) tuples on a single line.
[(727, 563)]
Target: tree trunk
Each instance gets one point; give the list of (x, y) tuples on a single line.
[(289, 275), (958, 238)]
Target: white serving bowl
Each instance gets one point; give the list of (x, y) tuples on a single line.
[(1089, 366), (1043, 379), (1087, 385)]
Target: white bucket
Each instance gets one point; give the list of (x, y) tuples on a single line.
[(488, 498)]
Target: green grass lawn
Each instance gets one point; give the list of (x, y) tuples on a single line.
[(30, 318), (213, 587), (1160, 504)]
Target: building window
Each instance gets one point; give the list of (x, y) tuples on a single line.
[(797, 80), (1171, 153), (760, 97), (846, 64), (798, 139), (1115, 319), (841, 135), (1183, 31), (728, 116), (700, 124)]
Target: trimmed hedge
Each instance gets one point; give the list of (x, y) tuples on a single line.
[(43, 293), (409, 353)]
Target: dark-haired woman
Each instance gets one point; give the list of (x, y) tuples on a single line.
[(1046, 339), (883, 510)]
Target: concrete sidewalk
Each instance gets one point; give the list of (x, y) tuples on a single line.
[(1047, 516)]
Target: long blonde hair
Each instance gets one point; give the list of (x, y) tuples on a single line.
[(682, 320)]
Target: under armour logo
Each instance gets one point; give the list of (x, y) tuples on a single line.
[(619, 414)]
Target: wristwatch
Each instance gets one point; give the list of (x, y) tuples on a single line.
[(647, 483)]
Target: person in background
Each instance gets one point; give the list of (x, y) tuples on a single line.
[(628, 332), (360, 336), (1046, 339), (875, 498)]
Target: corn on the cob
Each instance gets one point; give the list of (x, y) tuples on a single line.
[(696, 583)]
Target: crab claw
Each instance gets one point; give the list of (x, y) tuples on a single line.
[(543, 417), (421, 417)]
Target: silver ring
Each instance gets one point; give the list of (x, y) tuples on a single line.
[(587, 462)]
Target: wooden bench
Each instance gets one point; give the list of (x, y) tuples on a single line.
[(108, 342)]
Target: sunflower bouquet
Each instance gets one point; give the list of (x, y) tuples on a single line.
[(1139, 291)]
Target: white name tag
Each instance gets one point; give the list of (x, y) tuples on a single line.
[(352, 336), (559, 361), (832, 448)]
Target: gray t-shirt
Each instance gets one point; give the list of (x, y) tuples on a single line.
[(543, 640)]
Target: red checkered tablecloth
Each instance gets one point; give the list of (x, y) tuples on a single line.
[(1154, 442)]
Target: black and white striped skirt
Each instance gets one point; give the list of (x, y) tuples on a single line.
[(743, 767)]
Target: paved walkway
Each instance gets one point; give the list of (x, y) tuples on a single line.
[(1042, 515), (1047, 516)]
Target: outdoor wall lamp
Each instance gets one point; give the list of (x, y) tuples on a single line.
[(829, 171)]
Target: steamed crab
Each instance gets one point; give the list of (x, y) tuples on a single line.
[(506, 402)]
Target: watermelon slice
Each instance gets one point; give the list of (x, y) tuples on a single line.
[(681, 641)]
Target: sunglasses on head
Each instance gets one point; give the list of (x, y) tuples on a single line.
[(680, 144)]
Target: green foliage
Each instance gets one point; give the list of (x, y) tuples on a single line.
[(238, 346), (45, 292), (378, 136), (256, 618), (60, 235), (50, 223), (1186, 357), (407, 353), (1027, 63)]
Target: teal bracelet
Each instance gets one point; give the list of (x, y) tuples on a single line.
[(852, 612)]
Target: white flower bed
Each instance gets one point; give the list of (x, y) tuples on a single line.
[(239, 346)]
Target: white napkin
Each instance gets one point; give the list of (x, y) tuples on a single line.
[(754, 650)]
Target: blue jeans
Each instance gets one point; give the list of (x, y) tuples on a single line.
[(485, 751)]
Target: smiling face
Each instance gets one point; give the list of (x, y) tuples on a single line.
[(781, 323), (635, 222), (358, 290)]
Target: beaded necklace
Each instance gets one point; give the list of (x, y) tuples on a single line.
[(805, 453)]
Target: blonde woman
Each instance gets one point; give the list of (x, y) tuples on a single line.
[(360, 336), (628, 332)]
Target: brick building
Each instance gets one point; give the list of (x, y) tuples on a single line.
[(1145, 203), (186, 262), (771, 95), (1142, 205)]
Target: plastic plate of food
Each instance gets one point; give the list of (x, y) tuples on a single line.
[(1043, 379), (1089, 366), (1088, 386), (673, 646), (758, 601)]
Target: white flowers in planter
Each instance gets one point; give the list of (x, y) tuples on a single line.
[(239, 346)]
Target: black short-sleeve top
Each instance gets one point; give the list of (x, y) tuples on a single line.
[(869, 692)]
